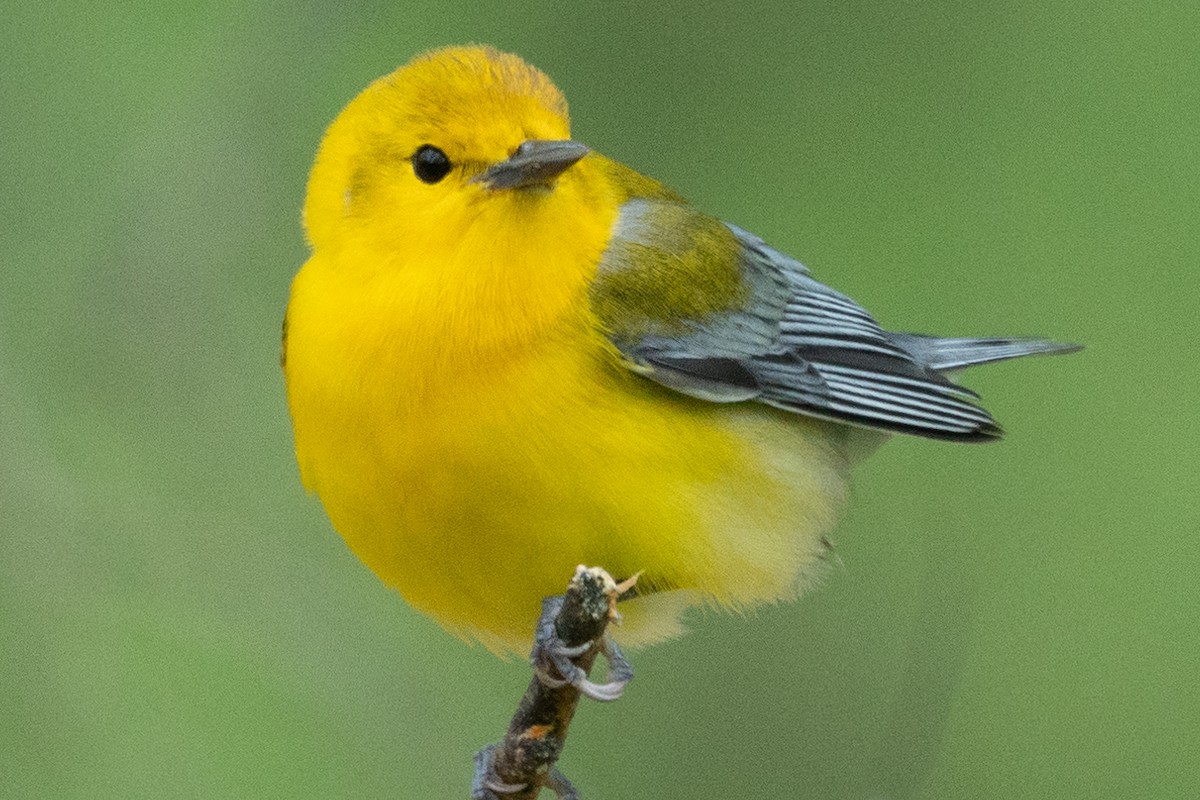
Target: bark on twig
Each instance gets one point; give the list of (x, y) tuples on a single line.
[(527, 755)]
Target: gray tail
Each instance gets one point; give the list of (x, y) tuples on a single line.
[(944, 355)]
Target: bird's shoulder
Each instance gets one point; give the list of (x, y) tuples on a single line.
[(676, 282), (670, 270)]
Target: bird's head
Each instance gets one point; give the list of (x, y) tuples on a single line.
[(460, 143)]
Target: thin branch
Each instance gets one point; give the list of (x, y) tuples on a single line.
[(521, 765)]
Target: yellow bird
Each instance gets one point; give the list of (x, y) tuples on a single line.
[(508, 355)]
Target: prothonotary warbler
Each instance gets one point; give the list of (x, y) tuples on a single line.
[(508, 355)]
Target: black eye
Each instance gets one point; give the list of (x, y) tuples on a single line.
[(430, 164)]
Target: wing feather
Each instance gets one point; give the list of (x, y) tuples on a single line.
[(780, 337)]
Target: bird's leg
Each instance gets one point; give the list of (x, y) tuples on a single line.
[(484, 784), (554, 661), (620, 671), (570, 634), (558, 783)]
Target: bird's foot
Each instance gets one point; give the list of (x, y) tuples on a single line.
[(554, 660), (487, 786)]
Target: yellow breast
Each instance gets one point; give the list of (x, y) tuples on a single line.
[(473, 473)]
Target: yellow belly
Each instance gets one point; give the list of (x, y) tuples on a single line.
[(475, 514), (477, 496)]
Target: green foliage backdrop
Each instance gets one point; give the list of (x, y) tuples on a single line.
[(1010, 621)]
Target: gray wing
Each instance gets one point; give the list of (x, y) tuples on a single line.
[(783, 338)]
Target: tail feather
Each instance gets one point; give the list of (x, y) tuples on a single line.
[(951, 354)]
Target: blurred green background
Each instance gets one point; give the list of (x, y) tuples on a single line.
[(177, 619)]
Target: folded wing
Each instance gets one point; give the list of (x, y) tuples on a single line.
[(711, 311)]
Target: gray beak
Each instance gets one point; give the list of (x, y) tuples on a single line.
[(535, 163)]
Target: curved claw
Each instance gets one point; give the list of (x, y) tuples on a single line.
[(485, 785), (553, 661), (548, 680), (551, 655), (602, 691), (619, 669), (562, 664), (505, 788), (558, 649), (560, 658)]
